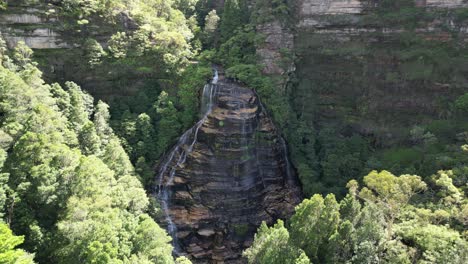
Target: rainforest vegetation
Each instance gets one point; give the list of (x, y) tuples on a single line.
[(77, 162)]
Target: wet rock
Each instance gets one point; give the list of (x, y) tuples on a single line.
[(235, 176), (206, 232)]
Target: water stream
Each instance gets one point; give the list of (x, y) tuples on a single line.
[(251, 163), (179, 154)]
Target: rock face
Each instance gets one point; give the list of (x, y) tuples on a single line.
[(31, 26), (226, 175), (277, 37), (357, 67)]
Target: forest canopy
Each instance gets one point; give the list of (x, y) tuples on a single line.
[(67, 184)]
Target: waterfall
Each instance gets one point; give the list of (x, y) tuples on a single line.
[(289, 177), (229, 170), (179, 153)]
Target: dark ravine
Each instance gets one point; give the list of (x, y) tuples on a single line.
[(225, 176)]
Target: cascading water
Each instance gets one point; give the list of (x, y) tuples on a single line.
[(225, 175), (183, 148), (289, 177)]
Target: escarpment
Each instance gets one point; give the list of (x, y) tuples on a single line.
[(225, 176), (371, 67)]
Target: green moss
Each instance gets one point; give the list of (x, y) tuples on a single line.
[(240, 229)]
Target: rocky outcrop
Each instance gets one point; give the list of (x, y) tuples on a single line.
[(443, 3), (330, 7), (226, 175), (31, 26), (278, 38)]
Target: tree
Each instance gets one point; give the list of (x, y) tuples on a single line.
[(89, 141), (72, 208), (322, 217), (94, 52), (3, 47), (390, 191), (101, 122), (81, 106), (62, 99), (186, 6), (235, 15), (271, 245), (211, 27), (145, 135), (22, 54), (193, 79), (116, 158), (8, 252), (168, 125), (152, 241), (183, 260), (462, 103), (144, 170)]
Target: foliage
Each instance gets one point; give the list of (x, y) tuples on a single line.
[(211, 28), (66, 182), (341, 158), (462, 103), (235, 14), (193, 79), (389, 220), (8, 243), (168, 124), (240, 48), (267, 11), (271, 245)]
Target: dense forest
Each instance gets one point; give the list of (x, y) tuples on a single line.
[(374, 125)]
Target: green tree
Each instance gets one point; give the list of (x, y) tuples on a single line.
[(93, 52), (211, 28), (390, 191), (186, 6), (193, 79), (80, 106), (146, 135), (22, 55), (183, 260), (89, 141), (168, 125), (271, 245), (117, 159), (235, 15), (152, 241), (72, 208), (462, 103), (101, 122), (9, 254), (144, 170), (322, 217)]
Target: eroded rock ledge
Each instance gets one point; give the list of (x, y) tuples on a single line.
[(236, 176)]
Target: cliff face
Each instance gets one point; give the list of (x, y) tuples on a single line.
[(225, 176), (59, 46), (375, 68), (31, 25)]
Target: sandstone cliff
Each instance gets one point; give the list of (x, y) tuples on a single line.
[(226, 175), (375, 68)]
